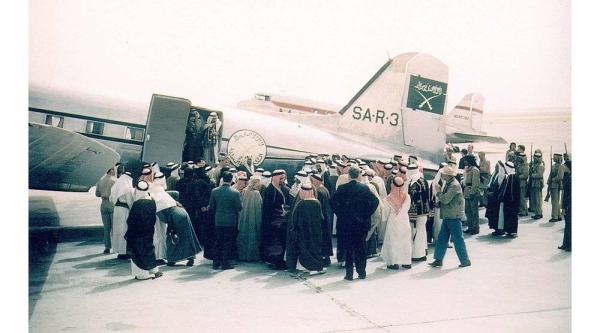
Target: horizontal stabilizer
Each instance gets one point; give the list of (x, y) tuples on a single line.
[(468, 137), (62, 160)]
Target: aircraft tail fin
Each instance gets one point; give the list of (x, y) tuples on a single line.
[(467, 115), (403, 104), (465, 122)]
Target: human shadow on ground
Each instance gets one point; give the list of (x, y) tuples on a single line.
[(113, 286)]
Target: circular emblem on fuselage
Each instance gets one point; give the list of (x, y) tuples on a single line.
[(246, 143)]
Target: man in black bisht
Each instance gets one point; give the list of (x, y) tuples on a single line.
[(354, 203)]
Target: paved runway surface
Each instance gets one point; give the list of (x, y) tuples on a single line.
[(514, 285)]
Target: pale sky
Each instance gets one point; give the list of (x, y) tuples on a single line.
[(516, 53)]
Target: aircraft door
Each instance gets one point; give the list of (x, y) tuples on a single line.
[(165, 129)]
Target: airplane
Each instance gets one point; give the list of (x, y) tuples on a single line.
[(399, 111)]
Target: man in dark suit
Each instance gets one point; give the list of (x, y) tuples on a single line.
[(354, 203), (225, 202)]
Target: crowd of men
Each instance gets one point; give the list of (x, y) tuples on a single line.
[(244, 213)]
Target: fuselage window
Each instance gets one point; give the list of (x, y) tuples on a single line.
[(55, 121), (133, 133), (94, 127)]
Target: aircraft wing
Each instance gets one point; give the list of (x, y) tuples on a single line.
[(457, 137), (62, 160)]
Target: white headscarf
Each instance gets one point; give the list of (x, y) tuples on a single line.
[(122, 188), (250, 166), (412, 175), (501, 174), (333, 171), (159, 180), (265, 178), (141, 191), (510, 170), (155, 168)]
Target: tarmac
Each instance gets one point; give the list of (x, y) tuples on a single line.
[(514, 285)]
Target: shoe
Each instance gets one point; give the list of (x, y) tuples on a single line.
[(393, 267), (216, 265), (320, 272), (171, 263), (407, 266), (537, 217), (560, 218), (514, 235), (143, 277), (349, 278), (226, 267), (362, 276), (106, 251), (474, 232), (521, 215), (190, 262), (498, 233), (436, 263), (553, 220), (561, 247), (123, 256), (465, 264), (157, 275), (419, 259), (468, 231)]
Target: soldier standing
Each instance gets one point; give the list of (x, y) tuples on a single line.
[(536, 176), (555, 184), (484, 172), (523, 174)]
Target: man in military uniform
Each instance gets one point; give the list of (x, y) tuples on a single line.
[(555, 184), (471, 194), (523, 174), (536, 183)]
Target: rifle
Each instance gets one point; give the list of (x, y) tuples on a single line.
[(547, 198)]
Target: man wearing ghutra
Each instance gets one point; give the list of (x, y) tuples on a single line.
[(121, 195), (397, 245), (305, 239), (274, 223), (140, 231)]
